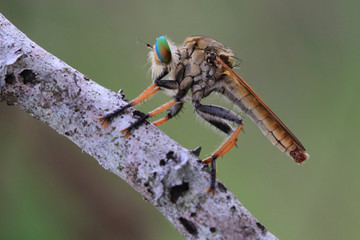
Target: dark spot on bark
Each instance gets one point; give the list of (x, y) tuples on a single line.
[(178, 191), (193, 214), (10, 78), (189, 226), (86, 78), (154, 174), (28, 76), (150, 191), (262, 228), (233, 208), (162, 162), (212, 229), (69, 133), (170, 155), (146, 184), (120, 168), (84, 123), (221, 187)]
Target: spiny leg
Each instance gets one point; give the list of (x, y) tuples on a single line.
[(215, 115), (178, 98), (148, 115), (172, 112), (161, 120), (183, 88), (229, 144), (222, 152), (216, 122), (151, 90)]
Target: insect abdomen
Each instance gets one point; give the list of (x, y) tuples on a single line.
[(265, 119)]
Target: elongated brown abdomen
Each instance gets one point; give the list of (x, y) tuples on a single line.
[(237, 90)]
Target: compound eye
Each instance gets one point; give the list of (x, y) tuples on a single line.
[(163, 50)]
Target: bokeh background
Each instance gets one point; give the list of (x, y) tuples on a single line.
[(302, 57)]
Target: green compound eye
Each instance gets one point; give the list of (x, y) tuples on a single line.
[(163, 50)]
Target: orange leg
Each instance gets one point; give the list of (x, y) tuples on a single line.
[(223, 152), (150, 114), (151, 90), (229, 144), (162, 108), (175, 109), (161, 121)]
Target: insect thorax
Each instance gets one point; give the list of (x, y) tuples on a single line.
[(193, 64), (197, 67)]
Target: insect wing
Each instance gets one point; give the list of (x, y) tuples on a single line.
[(271, 126)]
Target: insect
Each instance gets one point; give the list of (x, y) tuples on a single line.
[(203, 65)]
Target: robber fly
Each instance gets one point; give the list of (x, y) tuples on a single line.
[(203, 65)]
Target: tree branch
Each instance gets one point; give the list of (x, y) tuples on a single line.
[(163, 172)]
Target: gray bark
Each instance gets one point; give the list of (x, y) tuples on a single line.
[(163, 172)]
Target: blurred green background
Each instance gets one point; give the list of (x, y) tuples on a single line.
[(302, 57)]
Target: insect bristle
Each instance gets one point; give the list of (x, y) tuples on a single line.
[(237, 61)]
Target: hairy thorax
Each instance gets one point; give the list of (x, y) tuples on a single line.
[(197, 69)]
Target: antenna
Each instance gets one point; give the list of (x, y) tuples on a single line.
[(148, 45)]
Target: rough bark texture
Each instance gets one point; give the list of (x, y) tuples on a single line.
[(166, 174)]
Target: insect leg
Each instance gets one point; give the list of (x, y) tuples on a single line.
[(146, 116), (178, 98), (167, 84), (172, 112), (214, 114), (184, 85), (151, 90), (216, 122)]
